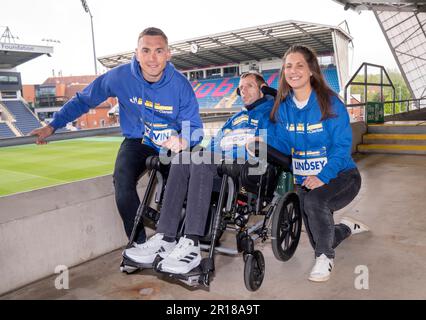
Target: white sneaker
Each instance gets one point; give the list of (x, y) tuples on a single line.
[(355, 226), (322, 269), (184, 257), (147, 251)]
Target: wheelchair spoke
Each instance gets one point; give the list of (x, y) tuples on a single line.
[(287, 239), (286, 227), (282, 236)]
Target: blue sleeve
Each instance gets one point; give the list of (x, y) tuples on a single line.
[(277, 136), (189, 116), (90, 97), (339, 151)]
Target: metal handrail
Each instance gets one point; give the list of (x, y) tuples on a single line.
[(415, 102)]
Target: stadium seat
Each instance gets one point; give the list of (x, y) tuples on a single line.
[(25, 119), (210, 92), (330, 75), (5, 131)]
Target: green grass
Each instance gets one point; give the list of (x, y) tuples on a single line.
[(29, 167)]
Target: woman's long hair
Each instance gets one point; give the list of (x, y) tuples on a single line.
[(318, 83)]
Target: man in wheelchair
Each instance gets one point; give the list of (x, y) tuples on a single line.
[(193, 181)]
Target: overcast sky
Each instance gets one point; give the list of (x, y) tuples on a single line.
[(118, 23)]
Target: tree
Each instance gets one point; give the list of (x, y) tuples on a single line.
[(373, 92)]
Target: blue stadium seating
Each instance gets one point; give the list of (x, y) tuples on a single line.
[(25, 120), (330, 74), (5, 131), (210, 91), (272, 77)]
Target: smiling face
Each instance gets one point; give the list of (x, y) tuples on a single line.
[(249, 90), (152, 53), (297, 72)]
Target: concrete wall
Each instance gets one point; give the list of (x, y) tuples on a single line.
[(358, 130), (63, 225)]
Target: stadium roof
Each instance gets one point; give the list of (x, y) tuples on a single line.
[(403, 25), (401, 6), (13, 54), (233, 47)]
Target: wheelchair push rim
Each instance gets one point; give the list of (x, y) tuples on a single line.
[(286, 227)]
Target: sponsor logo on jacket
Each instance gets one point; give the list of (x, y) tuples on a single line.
[(158, 107), (136, 100), (158, 133), (310, 128), (238, 137), (308, 163)]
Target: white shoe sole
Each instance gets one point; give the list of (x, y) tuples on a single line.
[(319, 279), (180, 270)]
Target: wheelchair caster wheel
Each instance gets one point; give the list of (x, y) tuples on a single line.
[(286, 227), (254, 270)]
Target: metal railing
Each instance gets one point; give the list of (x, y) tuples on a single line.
[(403, 107)]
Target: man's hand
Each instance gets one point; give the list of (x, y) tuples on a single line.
[(175, 144), (312, 182), (42, 133)]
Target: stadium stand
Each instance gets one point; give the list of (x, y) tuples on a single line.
[(260, 47), (25, 119), (5, 131), (210, 92)]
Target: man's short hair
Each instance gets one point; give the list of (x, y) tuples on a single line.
[(258, 77), (151, 31)]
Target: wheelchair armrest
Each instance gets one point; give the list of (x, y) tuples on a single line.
[(274, 156), (278, 158), (160, 186), (153, 162), (232, 170)]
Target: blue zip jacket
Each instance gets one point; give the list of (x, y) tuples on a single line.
[(153, 112), (231, 139), (321, 148)]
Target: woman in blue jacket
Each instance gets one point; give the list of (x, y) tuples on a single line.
[(312, 124)]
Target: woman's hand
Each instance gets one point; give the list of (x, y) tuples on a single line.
[(312, 182)]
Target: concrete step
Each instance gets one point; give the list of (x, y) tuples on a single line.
[(399, 128), (399, 139), (392, 148)]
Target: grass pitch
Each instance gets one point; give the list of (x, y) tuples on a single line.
[(29, 167)]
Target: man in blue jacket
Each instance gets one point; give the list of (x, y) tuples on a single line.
[(158, 108), (191, 177)]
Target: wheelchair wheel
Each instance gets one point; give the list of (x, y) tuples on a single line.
[(286, 227), (254, 270)]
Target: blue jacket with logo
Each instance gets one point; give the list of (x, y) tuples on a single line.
[(234, 134), (321, 148), (153, 112)]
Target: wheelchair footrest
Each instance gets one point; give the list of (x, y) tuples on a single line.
[(129, 262), (193, 278)]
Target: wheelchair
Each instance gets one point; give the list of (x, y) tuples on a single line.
[(241, 196)]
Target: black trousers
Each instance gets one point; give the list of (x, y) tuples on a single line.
[(129, 167), (318, 206)]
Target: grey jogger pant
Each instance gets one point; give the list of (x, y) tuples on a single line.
[(193, 182)]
